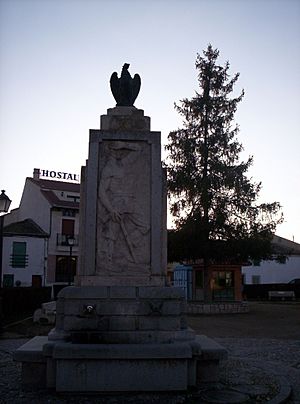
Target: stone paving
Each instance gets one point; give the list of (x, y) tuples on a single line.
[(257, 371), (265, 363)]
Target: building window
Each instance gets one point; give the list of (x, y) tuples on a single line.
[(8, 280), (74, 198), (69, 212), (67, 230), (223, 285), (223, 279), (255, 279), (65, 269), (199, 279), (19, 258), (67, 227), (36, 281)]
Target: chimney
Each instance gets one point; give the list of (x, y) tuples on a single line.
[(36, 173)]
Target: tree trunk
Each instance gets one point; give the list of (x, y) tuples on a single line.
[(205, 199)]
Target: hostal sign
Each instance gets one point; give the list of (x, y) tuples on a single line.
[(59, 175)]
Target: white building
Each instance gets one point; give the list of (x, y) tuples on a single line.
[(53, 206), (274, 271), (24, 254)]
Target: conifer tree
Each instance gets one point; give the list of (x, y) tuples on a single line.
[(215, 204)]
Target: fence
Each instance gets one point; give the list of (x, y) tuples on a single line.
[(16, 302), (260, 291)]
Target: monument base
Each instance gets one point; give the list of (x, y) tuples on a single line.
[(113, 338), (94, 280), (85, 368)]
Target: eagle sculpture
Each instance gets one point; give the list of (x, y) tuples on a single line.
[(125, 89)]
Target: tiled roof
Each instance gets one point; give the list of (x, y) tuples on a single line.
[(284, 246), (56, 185), (59, 203), (47, 187), (26, 227)]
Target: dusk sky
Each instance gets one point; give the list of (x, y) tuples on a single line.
[(57, 56)]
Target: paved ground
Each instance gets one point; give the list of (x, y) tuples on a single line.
[(264, 359)]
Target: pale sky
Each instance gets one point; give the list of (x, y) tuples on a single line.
[(57, 56)]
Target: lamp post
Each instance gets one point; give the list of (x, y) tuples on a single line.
[(71, 242), (4, 206)]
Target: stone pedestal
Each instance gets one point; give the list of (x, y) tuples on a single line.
[(123, 201), (121, 328)]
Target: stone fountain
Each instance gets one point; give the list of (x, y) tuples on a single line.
[(121, 327)]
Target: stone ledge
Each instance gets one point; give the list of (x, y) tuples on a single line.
[(159, 323), (148, 292), (216, 308), (83, 292), (210, 349), (137, 336), (128, 118), (121, 351), (119, 292), (122, 292), (31, 351), (123, 111)]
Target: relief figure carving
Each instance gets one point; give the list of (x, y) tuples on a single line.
[(123, 227)]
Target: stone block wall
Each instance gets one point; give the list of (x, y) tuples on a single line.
[(122, 313)]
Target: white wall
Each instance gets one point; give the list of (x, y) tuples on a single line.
[(55, 228), (273, 272), (34, 206), (35, 249), (11, 217)]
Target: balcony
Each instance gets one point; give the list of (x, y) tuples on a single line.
[(62, 240), (19, 260)]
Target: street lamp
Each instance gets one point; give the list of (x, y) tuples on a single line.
[(4, 206), (71, 242), (4, 202)]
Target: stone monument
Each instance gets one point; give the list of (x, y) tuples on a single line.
[(121, 327)]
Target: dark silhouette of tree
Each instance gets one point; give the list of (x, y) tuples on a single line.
[(215, 204)]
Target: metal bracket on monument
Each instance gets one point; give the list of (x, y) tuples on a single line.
[(155, 308)]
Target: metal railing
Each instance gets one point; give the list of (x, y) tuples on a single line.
[(62, 240), (19, 260)]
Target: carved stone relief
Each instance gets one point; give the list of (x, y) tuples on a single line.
[(123, 211)]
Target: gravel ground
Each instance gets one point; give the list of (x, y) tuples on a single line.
[(257, 365), (264, 320), (275, 358)]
